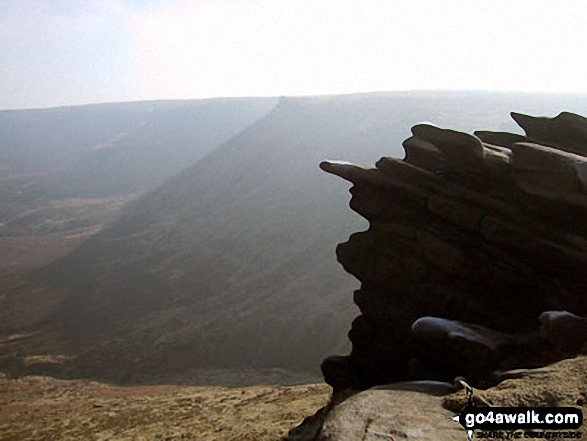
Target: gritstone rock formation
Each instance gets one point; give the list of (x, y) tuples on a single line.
[(476, 236)]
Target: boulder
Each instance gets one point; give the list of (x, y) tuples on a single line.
[(379, 414)]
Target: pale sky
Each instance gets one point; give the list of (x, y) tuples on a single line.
[(64, 52)]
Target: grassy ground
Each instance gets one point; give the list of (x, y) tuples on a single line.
[(46, 408)]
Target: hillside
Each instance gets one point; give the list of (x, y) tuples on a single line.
[(142, 158), (104, 151), (231, 262), (41, 140)]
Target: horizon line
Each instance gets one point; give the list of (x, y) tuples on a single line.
[(300, 96)]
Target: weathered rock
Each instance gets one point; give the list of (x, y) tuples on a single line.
[(462, 154), (560, 384), (566, 332), (424, 409), (424, 154), (379, 414), (550, 173), (475, 352), (566, 131), (488, 229), (502, 139)]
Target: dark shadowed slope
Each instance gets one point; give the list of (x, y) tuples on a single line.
[(231, 263)]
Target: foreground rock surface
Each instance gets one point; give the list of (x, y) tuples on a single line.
[(557, 385), (424, 410), (390, 414)]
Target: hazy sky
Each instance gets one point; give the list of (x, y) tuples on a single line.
[(61, 52)]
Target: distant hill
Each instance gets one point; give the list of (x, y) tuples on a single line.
[(40, 140), (231, 262), (164, 144), (106, 150), (34, 143)]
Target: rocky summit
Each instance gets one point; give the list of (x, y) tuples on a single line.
[(473, 262)]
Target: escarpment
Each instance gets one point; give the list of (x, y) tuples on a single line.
[(474, 260)]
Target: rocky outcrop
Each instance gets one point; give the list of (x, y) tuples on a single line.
[(471, 239), (425, 410), (380, 414), (558, 385)]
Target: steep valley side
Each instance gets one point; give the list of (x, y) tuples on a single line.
[(230, 263)]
